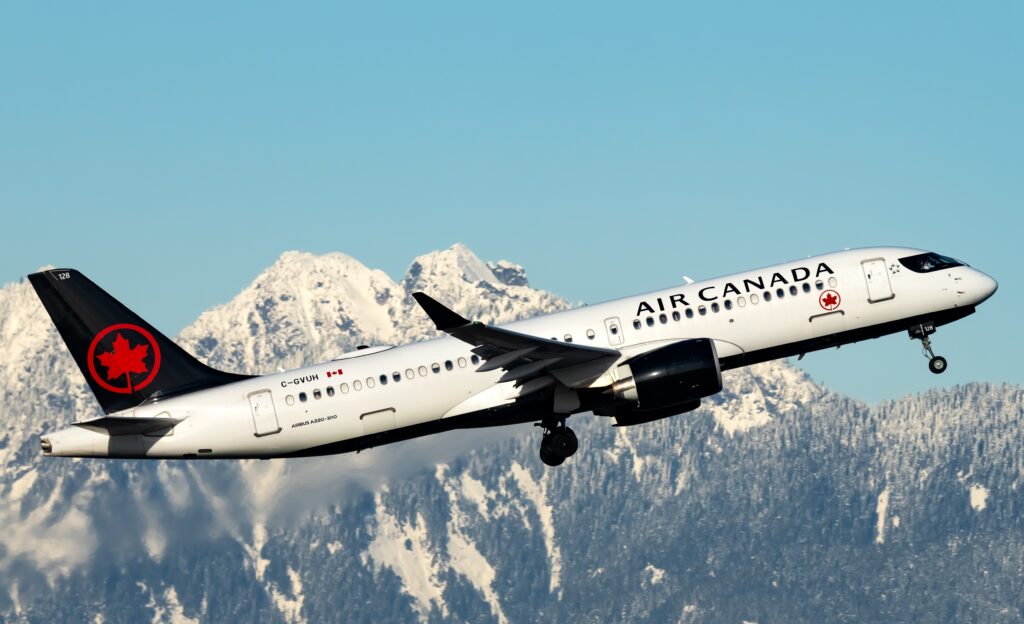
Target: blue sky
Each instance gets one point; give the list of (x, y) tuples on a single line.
[(173, 151)]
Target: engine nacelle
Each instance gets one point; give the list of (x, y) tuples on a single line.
[(632, 416), (681, 372)]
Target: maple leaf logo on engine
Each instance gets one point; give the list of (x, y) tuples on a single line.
[(133, 352)]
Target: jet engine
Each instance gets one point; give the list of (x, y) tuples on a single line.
[(682, 372)]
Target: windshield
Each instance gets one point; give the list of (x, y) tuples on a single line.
[(928, 262)]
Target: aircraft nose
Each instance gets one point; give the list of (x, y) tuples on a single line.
[(986, 286)]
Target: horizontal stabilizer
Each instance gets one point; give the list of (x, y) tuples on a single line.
[(119, 425)]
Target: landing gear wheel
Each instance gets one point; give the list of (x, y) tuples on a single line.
[(564, 441), (558, 443), (936, 363), (547, 454)]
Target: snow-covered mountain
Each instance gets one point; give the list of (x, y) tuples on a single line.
[(777, 501), (308, 308)]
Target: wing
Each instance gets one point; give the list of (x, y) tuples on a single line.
[(522, 356)]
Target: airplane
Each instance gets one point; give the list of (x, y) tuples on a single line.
[(632, 360)]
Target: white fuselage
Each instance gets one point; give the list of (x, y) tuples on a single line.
[(266, 416)]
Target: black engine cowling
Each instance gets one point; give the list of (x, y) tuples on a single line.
[(681, 372), (626, 416)]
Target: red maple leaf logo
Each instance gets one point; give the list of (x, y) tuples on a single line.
[(124, 359), (829, 300)]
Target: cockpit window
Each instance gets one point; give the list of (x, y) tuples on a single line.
[(928, 262)]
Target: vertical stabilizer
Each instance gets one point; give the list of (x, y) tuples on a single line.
[(123, 358)]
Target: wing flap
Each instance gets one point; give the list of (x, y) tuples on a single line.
[(522, 356)]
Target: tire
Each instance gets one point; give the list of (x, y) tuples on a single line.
[(548, 458), (565, 442), (937, 365)]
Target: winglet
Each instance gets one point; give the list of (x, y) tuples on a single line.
[(444, 318)]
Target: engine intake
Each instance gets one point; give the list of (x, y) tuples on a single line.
[(681, 372)]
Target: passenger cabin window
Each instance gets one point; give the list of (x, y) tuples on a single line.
[(290, 400), (792, 290), (650, 321), (448, 365), (689, 312), (754, 299), (702, 310), (780, 293), (397, 376), (590, 334), (567, 337), (636, 324), (474, 359), (663, 318), (807, 287), (728, 304), (422, 371), (330, 390), (316, 394), (741, 302), (819, 285), (767, 296), (409, 373), (435, 367), (462, 362), (344, 388), (714, 307), (675, 315), (358, 385), (928, 262), (383, 380), (833, 282), (369, 383), (302, 397), (614, 329)]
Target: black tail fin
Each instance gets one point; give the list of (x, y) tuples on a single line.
[(123, 358)]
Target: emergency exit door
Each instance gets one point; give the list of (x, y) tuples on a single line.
[(264, 417), (614, 329), (877, 278)]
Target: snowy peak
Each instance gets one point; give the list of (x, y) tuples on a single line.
[(457, 263), (509, 273), (36, 371), (308, 307), (488, 292), (302, 307), (755, 395)]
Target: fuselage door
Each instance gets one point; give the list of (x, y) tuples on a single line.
[(376, 422), (877, 278), (614, 329), (264, 417)]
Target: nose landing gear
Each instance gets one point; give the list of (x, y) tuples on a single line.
[(936, 363), (559, 442)]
